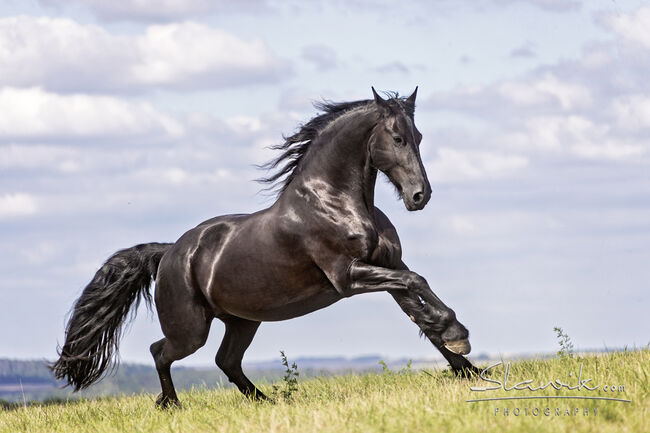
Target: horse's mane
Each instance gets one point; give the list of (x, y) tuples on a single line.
[(295, 146)]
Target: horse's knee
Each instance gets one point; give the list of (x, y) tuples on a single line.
[(416, 282)]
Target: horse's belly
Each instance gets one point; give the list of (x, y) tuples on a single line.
[(269, 300), (280, 308), (259, 287)]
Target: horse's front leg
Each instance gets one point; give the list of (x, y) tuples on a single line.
[(413, 294), (411, 305)]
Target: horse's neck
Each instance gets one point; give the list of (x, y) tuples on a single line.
[(339, 160)]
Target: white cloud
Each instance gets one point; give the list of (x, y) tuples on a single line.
[(549, 5), (34, 114), (632, 112), (454, 165), (177, 176), (41, 157), (632, 26), (189, 53), (595, 107), (137, 7), (579, 136), (244, 124), (462, 225), (154, 10), (14, 205), (161, 10), (546, 89), (556, 132), (40, 253), (213, 158), (63, 55)]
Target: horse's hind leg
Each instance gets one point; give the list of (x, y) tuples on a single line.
[(239, 335), (165, 352), (186, 324), (168, 396)]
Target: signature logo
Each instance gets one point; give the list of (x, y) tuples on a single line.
[(575, 383)]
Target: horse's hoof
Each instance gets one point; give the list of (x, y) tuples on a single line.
[(467, 372), (459, 347), (256, 395), (164, 402)]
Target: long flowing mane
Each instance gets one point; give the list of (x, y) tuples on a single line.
[(294, 147)]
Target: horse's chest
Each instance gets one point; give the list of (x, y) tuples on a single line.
[(340, 222), (360, 240)]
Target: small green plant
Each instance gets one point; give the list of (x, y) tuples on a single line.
[(566, 345), (404, 370), (407, 368), (290, 379)]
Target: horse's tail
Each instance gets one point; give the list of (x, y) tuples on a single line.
[(93, 332)]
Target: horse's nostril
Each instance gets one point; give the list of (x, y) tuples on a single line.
[(417, 197)]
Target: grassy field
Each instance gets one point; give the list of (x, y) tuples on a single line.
[(393, 401)]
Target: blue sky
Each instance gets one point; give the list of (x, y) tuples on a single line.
[(133, 122)]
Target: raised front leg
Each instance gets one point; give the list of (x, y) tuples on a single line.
[(436, 320), (411, 305)]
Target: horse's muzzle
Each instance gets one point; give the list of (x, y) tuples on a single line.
[(416, 199)]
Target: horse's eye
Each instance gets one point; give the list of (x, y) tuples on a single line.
[(398, 140)]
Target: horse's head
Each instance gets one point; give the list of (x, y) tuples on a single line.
[(394, 150)]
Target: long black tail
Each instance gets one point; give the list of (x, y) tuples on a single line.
[(93, 332)]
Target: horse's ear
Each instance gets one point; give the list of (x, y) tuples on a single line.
[(378, 99), (411, 99)]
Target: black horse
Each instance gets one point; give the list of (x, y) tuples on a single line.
[(321, 241)]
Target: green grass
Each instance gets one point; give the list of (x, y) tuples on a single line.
[(407, 401)]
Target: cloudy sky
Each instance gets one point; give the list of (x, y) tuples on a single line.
[(133, 121)]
